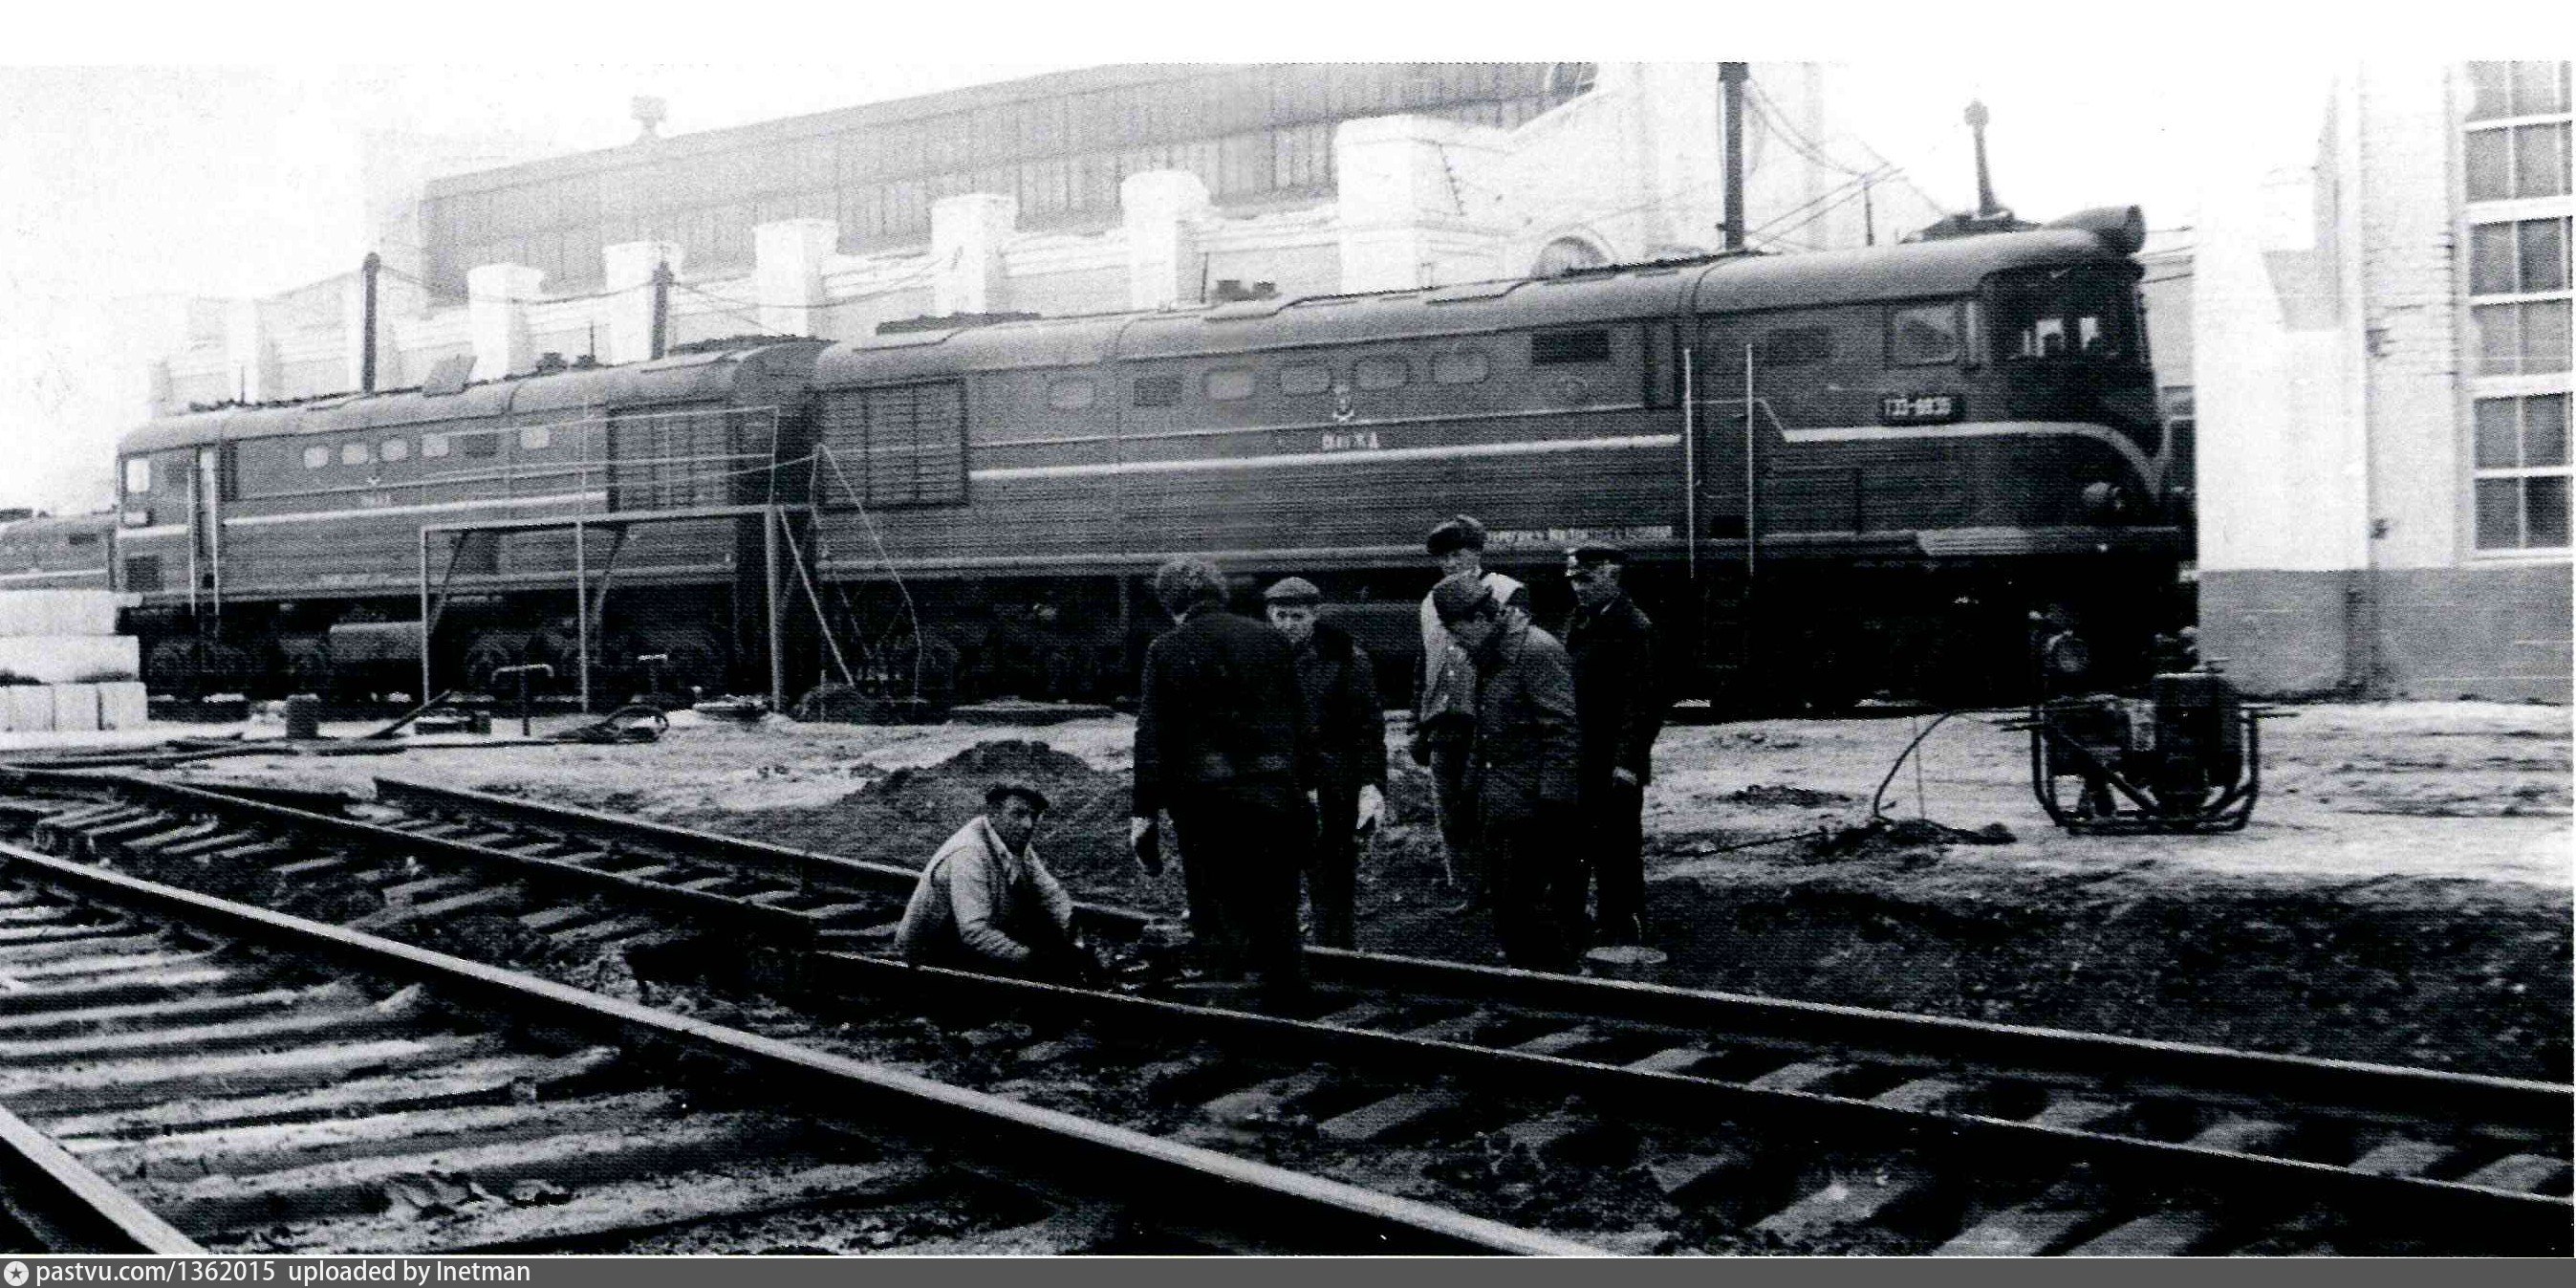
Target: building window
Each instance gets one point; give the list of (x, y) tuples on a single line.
[(433, 445), (536, 438), (1158, 391), (1305, 379), (1463, 368), (353, 454), (393, 450), (2517, 161), (2518, 258), (1071, 395), (1566, 348), (2521, 339), (1923, 334), (2522, 472), (2516, 89), (138, 475), (316, 457), (1381, 373)]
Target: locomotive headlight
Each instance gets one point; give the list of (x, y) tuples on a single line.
[(2106, 502)]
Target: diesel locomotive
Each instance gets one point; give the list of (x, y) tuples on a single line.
[(1838, 473)]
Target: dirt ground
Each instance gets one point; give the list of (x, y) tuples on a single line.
[(2402, 894)]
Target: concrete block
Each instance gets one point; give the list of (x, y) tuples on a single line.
[(1678, 1175), (1396, 1113), (59, 612), (30, 707), (2525, 1173), (1847, 1201), (2021, 1232), (1811, 1076), (121, 705), (2164, 1234), (2403, 1157), (75, 707)]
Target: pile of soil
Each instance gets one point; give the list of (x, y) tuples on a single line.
[(904, 815)]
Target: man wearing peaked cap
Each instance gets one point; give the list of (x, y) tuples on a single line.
[(1344, 726), (1445, 707), (1619, 709)]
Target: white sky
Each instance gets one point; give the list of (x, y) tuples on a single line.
[(220, 161)]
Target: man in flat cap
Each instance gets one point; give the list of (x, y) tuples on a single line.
[(1445, 706), (987, 903), (1522, 774), (1619, 703), (1348, 733), (1221, 744)]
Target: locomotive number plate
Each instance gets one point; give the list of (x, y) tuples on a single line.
[(1921, 409), (1357, 440)]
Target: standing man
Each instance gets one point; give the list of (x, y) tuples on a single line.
[(1220, 744), (1619, 703), (986, 902), (1523, 775), (1348, 733), (1444, 710)]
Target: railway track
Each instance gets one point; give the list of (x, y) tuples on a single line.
[(1647, 1117), (184, 1074)]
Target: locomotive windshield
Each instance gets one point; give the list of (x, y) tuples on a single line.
[(2066, 312)]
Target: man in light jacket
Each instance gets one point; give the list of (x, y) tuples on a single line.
[(986, 903), (1445, 709)]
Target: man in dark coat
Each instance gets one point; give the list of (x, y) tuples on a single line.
[(1620, 707), (1220, 744), (1523, 771), (1348, 732)]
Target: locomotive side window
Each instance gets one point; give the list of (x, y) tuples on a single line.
[(394, 450), (1798, 346), (316, 457), (536, 438), (1465, 368), (433, 446), (1923, 334), (1158, 391), (1565, 348), (138, 475), (482, 446), (1232, 385), (1305, 378), (1071, 394), (1381, 373), (353, 454)]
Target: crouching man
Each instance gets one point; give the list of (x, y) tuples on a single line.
[(987, 904)]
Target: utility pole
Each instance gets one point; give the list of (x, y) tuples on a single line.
[(1986, 207), (1730, 80), (661, 307), (367, 322)]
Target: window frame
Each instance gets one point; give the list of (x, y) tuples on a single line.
[(317, 456), (536, 438), (357, 452), (2527, 478), (1060, 393), (1959, 349), (132, 463), (1165, 390), (1323, 369), (433, 446), (394, 451)]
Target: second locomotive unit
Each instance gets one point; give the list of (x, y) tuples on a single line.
[(1838, 473)]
